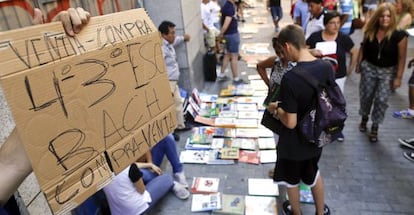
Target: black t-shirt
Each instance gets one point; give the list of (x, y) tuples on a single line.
[(384, 54), (338, 60), (296, 96)]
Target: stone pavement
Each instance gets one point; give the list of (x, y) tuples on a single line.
[(361, 178)]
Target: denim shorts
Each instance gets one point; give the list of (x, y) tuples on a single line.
[(232, 42), (276, 12)]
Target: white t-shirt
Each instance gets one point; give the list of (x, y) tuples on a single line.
[(123, 198), (206, 15), (315, 24)]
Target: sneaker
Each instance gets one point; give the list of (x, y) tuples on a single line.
[(340, 137), (409, 155), (180, 191), (287, 209), (403, 114), (223, 78), (240, 81), (408, 143), (176, 137), (180, 178), (326, 210)]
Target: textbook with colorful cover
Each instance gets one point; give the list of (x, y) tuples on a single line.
[(262, 187), (231, 205), (249, 157), (205, 202), (260, 205), (205, 185)]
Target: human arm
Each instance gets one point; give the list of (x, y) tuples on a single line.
[(263, 65), (353, 59), (181, 39), (402, 54), (359, 58), (225, 26), (289, 120), (14, 163), (405, 21), (135, 175)]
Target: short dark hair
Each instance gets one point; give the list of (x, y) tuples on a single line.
[(314, 1), (275, 42), (165, 26), (294, 35), (330, 15)]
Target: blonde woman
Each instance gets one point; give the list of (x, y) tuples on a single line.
[(381, 62), (405, 12)]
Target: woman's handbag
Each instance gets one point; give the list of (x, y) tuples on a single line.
[(268, 120)]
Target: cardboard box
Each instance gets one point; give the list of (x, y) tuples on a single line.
[(88, 103)]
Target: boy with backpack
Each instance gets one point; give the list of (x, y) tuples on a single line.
[(297, 158)]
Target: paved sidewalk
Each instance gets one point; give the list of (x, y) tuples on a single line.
[(361, 178)]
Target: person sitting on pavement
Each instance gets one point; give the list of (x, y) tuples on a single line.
[(166, 147), (14, 163), (129, 193), (409, 112)]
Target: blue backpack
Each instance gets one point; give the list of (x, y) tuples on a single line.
[(324, 121)]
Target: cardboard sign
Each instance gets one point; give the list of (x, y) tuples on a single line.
[(89, 105)]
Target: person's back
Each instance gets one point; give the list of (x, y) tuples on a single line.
[(298, 100), (122, 196)]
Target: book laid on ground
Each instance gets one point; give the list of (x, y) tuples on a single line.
[(219, 143), (205, 185), (229, 153), (245, 143), (194, 156), (263, 205), (231, 205), (266, 143), (305, 193), (205, 202), (215, 158), (246, 156), (268, 156), (224, 132), (262, 187), (196, 146)]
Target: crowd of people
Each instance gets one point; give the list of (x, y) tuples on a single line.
[(316, 23)]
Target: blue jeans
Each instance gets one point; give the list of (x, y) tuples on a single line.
[(276, 12), (167, 147), (158, 187)]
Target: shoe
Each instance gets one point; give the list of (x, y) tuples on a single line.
[(186, 128), (363, 124), (287, 209), (403, 114), (340, 137), (176, 136), (408, 143), (240, 81), (373, 136), (326, 210), (409, 155), (180, 191), (223, 78), (180, 178)]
